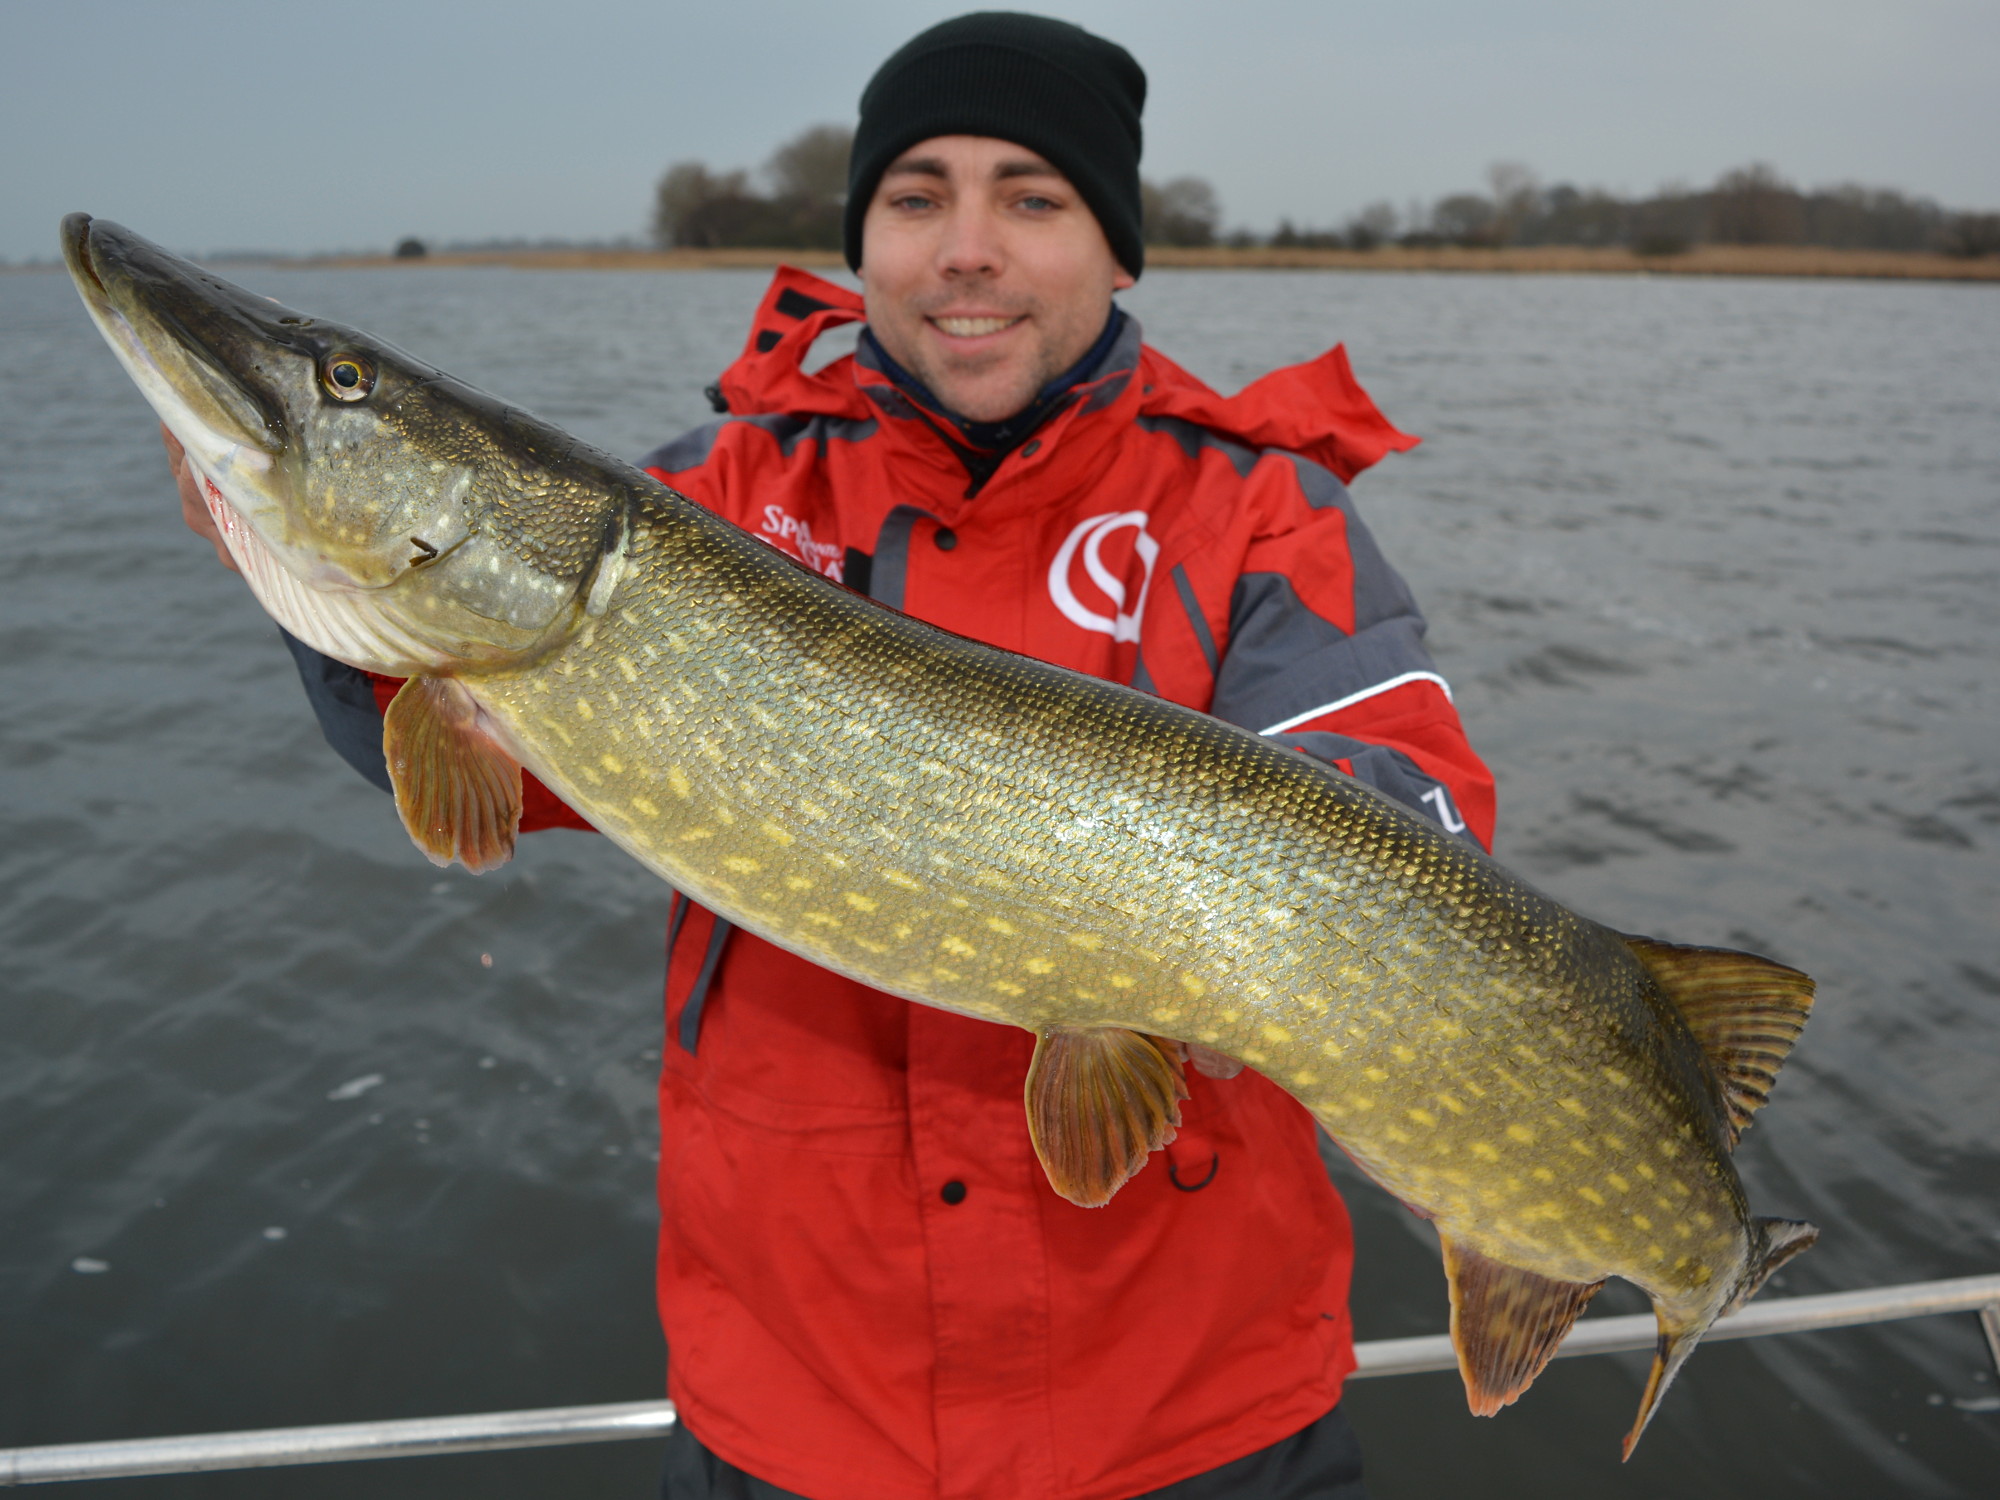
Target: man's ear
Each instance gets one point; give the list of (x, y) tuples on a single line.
[(1124, 281)]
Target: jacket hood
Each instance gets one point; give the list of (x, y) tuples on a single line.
[(1316, 409)]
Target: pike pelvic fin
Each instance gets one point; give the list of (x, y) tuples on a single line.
[(1745, 1011), (1505, 1323), (1100, 1101), (457, 790)]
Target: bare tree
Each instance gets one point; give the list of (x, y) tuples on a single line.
[(1374, 225), (1464, 219), (1753, 205), (1517, 194), (812, 165), (684, 193), (1184, 211)]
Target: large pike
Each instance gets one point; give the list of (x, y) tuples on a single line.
[(978, 831)]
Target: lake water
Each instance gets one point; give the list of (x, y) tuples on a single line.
[(296, 1129)]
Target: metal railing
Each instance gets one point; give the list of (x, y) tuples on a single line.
[(552, 1426)]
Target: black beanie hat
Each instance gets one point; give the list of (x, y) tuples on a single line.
[(1066, 95)]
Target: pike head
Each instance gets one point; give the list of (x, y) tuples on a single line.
[(384, 513)]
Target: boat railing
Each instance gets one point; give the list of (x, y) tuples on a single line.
[(552, 1426)]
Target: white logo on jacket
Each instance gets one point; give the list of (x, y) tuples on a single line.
[(1088, 539), (780, 526)]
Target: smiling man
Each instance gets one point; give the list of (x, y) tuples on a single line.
[(868, 1288)]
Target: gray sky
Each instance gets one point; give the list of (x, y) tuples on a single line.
[(275, 124)]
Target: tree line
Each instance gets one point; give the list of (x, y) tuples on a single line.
[(805, 184)]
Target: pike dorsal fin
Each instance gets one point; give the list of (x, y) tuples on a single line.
[(1745, 1011), (1505, 1323), (1100, 1101), (458, 791)]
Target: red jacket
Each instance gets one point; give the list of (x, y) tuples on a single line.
[(868, 1289)]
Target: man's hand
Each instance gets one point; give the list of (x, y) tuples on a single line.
[(194, 509)]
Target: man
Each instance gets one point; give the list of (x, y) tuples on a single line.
[(869, 1290)]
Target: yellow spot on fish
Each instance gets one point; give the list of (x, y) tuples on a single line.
[(1166, 1015), (1122, 981), (1090, 942), (1522, 1134), (1451, 1104), (1008, 987), (1362, 1101), (1252, 1055), (1375, 1075), (949, 976), (1445, 1026), (998, 924), (1277, 1034), (777, 835), (695, 835), (1039, 966), (677, 781), (645, 805), (1618, 1182), (1193, 986), (907, 882), (1400, 1137), (869, 944), (1403, 1054), (1646, 1171), (583, 708), (1333, 1049), (797, 883), (1485, 1151), (1422, 1116), (1304, 1080), (1542, 1174), (958, 946), (612, 764), (1591, 1195), (860, 902), (631, 672), (1642, 1221), (822, 919), (1575, 1107), (1620, 1079)]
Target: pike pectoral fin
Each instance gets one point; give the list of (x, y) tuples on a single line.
[(1100, 1101), (1212, 1064), (1505, 1323), (458, 791), (1745, 1011)]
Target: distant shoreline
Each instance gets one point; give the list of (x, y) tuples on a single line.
[(1798, 261), (1703, 260)]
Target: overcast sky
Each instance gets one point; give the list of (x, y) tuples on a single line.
[(275, 124)]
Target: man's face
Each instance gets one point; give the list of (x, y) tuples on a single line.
[(984, 271)]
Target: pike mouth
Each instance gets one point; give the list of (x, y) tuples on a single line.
[(76, 250)]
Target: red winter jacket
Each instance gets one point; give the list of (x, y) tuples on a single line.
[(868, 1289)]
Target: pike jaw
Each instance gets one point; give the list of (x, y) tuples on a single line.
[(363, 494)]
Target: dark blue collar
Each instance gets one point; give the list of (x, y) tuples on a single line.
[(996, 438)]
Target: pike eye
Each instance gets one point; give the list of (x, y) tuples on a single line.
[(348, 377)]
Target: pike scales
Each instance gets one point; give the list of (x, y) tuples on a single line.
[(1134, 882)]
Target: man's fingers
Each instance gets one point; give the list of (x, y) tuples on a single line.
[(194, 508)]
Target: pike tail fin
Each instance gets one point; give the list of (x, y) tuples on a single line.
[(1774, 1241)]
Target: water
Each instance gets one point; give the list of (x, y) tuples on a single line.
[(1712, 565)]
